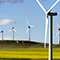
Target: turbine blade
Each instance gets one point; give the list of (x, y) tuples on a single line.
[(46, 30), (57, 33), (53, 5), (41, 6), (31, 25), (27, 30), (9, 30), (27, 22), (14, 30)]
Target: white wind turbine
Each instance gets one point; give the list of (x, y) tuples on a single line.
[(12, 29), (58, 32), (50, 27), (46, 18), (2, 33), (29, 26)]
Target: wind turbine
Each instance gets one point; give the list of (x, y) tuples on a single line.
[(58, 32), (29, 26), (46, 17), (2, 34), (12, 29), (50, 27)]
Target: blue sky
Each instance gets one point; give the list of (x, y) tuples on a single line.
[(31, 11)]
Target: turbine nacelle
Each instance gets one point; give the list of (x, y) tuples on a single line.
[(12, 28), (1, 31), (59, 29), (28, 26), (52, 14)]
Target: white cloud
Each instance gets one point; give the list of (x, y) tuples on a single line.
[(6, 21)]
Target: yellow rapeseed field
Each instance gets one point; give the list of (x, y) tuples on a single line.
[(29, 53)]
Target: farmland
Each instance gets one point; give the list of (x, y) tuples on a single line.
[(26, 51), (30, 53)]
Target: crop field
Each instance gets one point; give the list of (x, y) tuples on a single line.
[(30, 53), (11, 50)]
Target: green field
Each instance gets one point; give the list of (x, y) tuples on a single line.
[(30, 53)]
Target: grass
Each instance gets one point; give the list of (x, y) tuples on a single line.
[(30, 53), (13, 45)]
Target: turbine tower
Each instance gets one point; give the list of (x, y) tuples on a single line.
[(51, 34), (29, 26), (2, 34), (46, 17)]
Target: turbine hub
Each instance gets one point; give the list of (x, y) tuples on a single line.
[(59, 29), (12, 28), (1, 31), (28, 26)]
